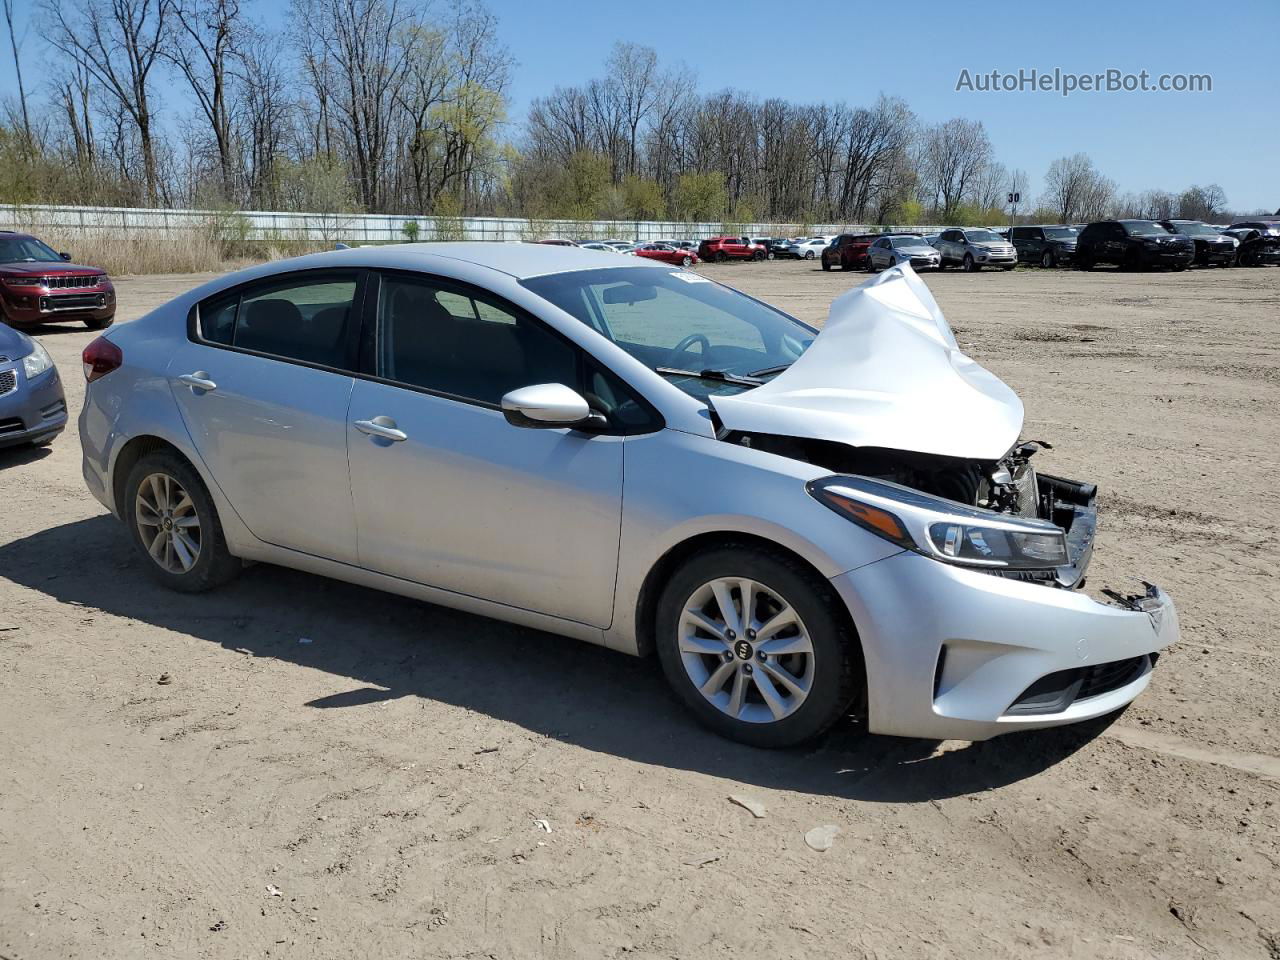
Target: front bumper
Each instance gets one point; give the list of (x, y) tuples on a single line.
[(25, 306), (950, 651), (34, 410), (995, 258)]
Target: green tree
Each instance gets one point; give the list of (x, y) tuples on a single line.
[(701, 196), (643, 199)]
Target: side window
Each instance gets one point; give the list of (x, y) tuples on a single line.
[(301, 318), (445, 339)]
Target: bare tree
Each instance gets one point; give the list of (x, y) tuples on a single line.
[(359, 45), (17, 69), (955, 153), (635, 71), (1075, 188), (1202, 203), (118, 42), (209, 33)]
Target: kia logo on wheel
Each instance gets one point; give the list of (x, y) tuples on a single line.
[(742, 649)]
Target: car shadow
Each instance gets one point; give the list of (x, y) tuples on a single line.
[(44, 329), (381, 647), (22, 454)]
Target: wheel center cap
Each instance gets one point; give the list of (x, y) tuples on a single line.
[(168, 524), (743, 650)]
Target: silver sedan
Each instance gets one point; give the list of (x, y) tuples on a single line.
[(803, 526)]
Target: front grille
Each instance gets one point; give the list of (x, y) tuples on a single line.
[(69, 283), (8, 382), (1055, 692), (73, 301), (1105, 677), (11, 425), (1047, 576)]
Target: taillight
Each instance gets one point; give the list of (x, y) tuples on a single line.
[(100, 358)]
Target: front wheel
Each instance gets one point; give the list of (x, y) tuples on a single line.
[(686, 262), (1046, 259), (175, 526), (722, 257), (969, 265), (100, 323), (754, 645)]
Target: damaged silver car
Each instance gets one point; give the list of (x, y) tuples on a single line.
[(802, 524)]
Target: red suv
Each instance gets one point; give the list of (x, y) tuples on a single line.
[(848, 251), (38, 285), (721, 249)]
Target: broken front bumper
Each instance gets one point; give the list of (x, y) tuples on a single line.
[(953, 653)]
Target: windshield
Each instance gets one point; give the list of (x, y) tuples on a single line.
[(1143, 228), (18, 249), (1195, 229), (983, 236), (673, 320), (1061, 233), (901, 242)]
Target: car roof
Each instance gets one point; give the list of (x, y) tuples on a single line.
[(518, 260)]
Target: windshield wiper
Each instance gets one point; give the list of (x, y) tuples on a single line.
[(722, 376), (770, 371)]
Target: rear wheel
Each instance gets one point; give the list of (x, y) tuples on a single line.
[(825, 265), (751, 642), (174, 524), (96, 323), (721, 257)]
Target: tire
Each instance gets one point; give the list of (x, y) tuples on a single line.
[(721, 257), (757, 257), (825, 265), (809, 254), (833, 667), (968, 265), (1046, 259), (213, 564), (100, 324), (871, 266), (687, 262), (769, 256)]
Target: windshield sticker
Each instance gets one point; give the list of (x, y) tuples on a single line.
[(689, 277)]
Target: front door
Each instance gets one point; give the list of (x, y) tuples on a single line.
[(446, 491), (263, 388)]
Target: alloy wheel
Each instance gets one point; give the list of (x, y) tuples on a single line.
[(167, 523), (746, 650)]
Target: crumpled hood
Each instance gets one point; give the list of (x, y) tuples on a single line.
[(885, 371)]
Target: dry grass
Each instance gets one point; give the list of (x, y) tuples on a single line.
[(124, 252)]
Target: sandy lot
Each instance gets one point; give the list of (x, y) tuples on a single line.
[(374, 792)]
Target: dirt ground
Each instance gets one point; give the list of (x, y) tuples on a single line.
[(376, 790)]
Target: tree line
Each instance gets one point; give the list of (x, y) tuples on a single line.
[(393, 106)]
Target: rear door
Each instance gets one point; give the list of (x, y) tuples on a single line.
[(263, 384), (456, 497)]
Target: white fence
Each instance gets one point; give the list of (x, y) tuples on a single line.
[(267, 226)]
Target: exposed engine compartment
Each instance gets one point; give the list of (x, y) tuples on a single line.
[(1009, 485)]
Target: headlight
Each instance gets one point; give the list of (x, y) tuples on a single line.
[(36, 362), (943, 529), (23, 281)]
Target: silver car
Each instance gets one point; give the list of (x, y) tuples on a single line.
[(974, 248), (910, 249), (802, 525)]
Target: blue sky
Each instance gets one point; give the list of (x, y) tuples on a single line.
[(808, 51)]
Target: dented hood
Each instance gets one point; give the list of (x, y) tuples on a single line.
[(885, 371)]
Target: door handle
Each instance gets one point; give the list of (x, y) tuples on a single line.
[(383, 427), (198, 381)]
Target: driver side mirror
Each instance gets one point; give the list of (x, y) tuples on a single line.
[(550, 405), (65, 256)]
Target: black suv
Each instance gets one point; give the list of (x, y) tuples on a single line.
[(1048, 245), (1211, 246), (1132, 244)]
